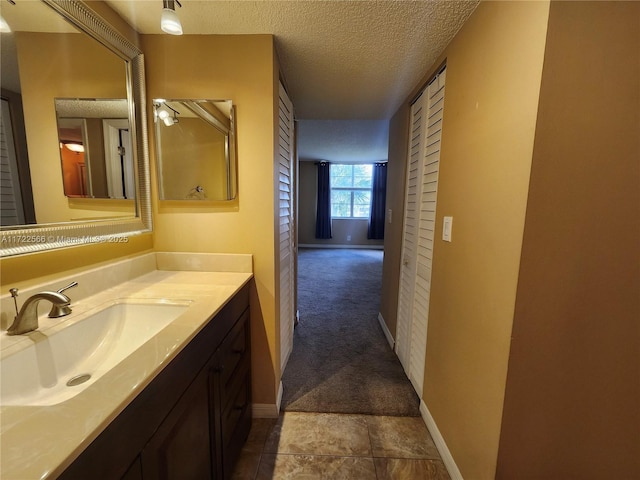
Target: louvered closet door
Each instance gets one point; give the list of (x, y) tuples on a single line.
[(286, 232), (426, 230), (410, 233), (419, 230)]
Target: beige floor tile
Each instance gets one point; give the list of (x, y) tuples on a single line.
[(310, 467), (247, 466), (401, 437), (260, 429), (319, 434), (410, 469)]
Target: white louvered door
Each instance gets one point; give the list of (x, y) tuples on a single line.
[(426, 230), (417, 261), (409, 237), (286, 229)]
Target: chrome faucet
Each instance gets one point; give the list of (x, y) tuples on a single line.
[(27, 319)]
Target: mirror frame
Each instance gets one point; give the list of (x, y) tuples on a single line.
[(38, 238)]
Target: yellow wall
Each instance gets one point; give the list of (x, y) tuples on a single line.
[(494, 67), (240, 68), (573, 389), (48, 70), (193, 154), (396, 175), (26, 270)]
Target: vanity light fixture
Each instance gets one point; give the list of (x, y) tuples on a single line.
[(163, 113), (169, 22), (4, 26)]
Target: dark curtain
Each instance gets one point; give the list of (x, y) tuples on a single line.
[(323, 212), (378, 200)]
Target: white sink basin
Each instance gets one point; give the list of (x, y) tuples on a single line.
[(40, 373)]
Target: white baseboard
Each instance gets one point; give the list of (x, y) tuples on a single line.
[(268, 410), (386, 331), (332, 245), (441, 445), (279, 398)]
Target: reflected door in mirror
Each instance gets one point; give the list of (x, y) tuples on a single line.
[(94, 139)]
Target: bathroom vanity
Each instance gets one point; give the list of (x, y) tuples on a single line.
[(192, 419), (179, 406)]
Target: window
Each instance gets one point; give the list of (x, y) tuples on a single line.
[(350, 190)]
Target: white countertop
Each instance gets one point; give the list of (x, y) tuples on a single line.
[(38, 442)]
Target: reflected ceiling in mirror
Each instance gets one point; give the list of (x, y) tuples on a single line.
[(195, 144), (49, 64)]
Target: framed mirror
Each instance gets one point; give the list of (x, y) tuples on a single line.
[(195, 144), (62, 66)]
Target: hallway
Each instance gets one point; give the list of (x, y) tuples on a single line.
[(341, 361), (348, 410)]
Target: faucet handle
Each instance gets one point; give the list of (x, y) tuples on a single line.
[(14, 294), (71, 285)]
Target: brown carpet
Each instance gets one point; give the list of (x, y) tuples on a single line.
[(341, 361)]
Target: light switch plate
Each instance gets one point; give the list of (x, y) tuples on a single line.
[(447, 225)]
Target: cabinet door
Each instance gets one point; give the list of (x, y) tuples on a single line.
[(235, 421), (134, 472), (181, 448), (231, 396)]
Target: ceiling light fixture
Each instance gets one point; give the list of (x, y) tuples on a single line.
[(169, 22), (75, 147)]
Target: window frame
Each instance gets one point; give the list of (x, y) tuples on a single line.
[(352, 191)]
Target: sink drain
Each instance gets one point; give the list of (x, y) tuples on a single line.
[(78, 379)]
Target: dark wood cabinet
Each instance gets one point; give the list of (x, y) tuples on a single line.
[(192, 420), (135, 471), (231, 389), (181, 448)]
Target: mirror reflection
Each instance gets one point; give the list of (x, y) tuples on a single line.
[(195, 149), (47, 66), (95, 148)]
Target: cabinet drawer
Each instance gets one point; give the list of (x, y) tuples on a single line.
[(236, 420), (233, 351)]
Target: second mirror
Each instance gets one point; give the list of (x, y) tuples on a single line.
[(195, 142)]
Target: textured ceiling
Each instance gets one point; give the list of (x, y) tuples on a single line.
[(348, 64), (343, 141)]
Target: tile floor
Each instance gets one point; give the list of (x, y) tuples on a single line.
[(335, 446)]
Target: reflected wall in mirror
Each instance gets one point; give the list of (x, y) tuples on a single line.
[(95, 148), (58, 54), (52, 64), (195, 142)]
